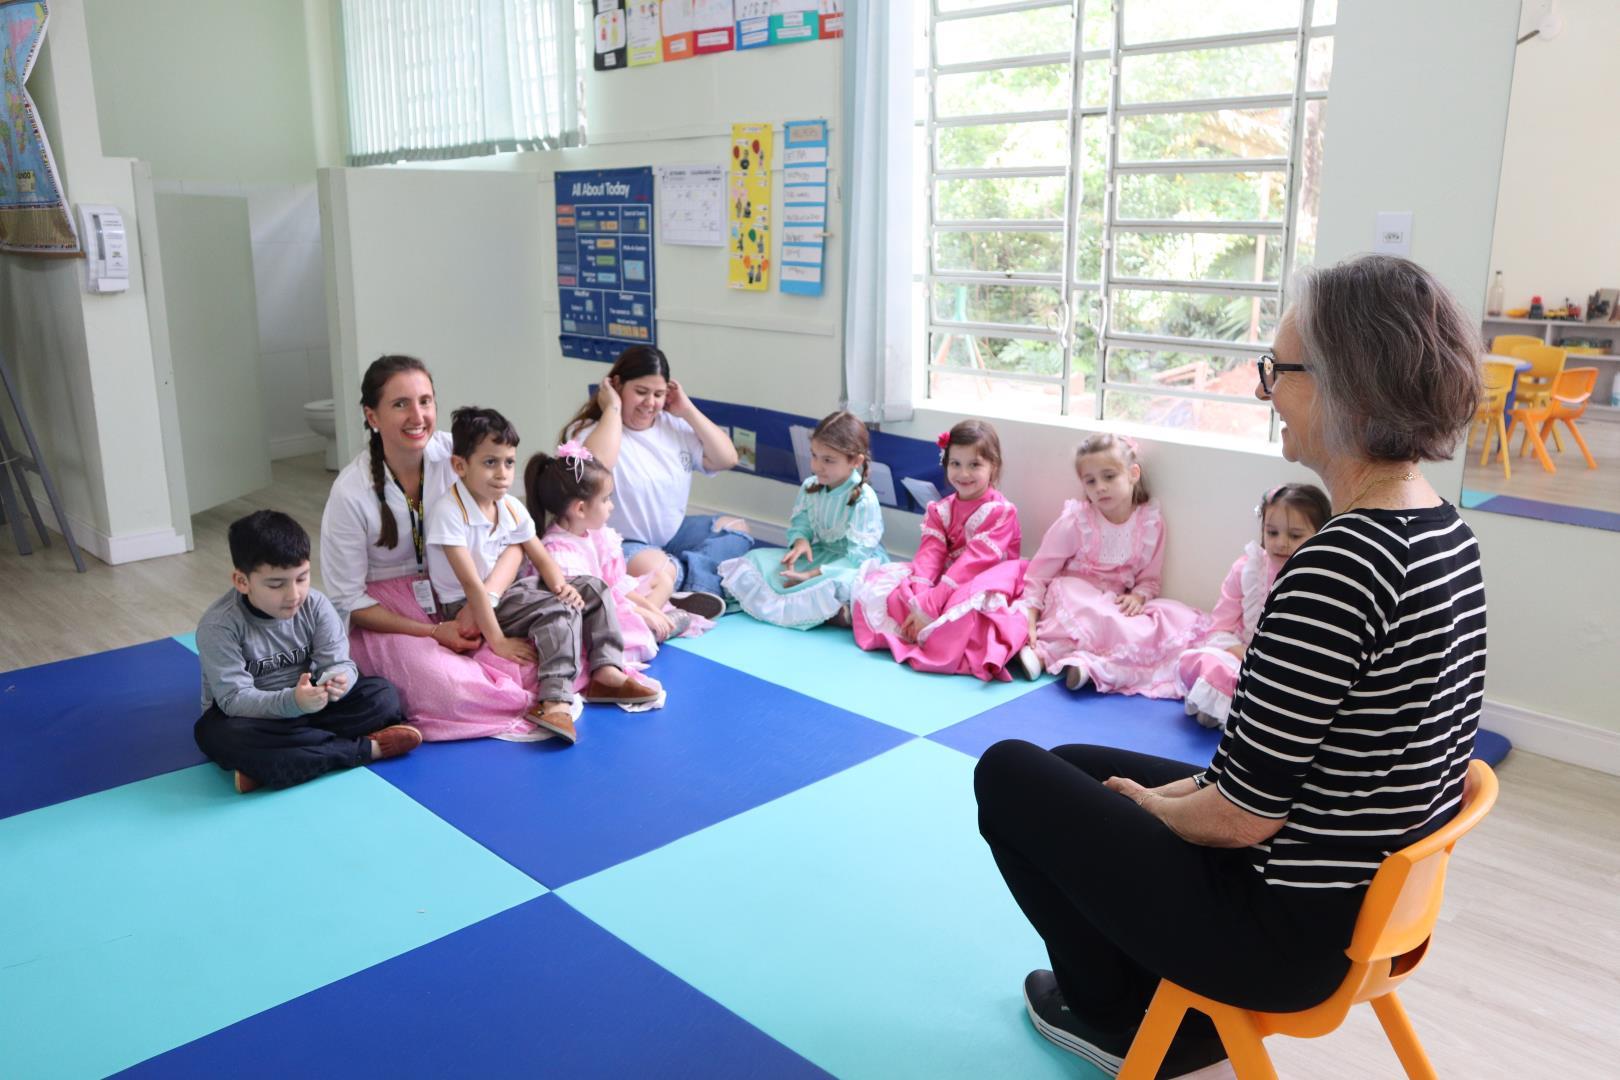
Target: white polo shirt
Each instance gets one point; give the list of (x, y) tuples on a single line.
[(352, 522), (456, 520), (652, 481)]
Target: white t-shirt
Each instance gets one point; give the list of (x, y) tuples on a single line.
[(352, 522), (456, 520), (652, 481)]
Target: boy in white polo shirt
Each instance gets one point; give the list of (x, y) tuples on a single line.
[(469, 528)]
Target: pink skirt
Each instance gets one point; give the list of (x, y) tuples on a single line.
[(1081, 626), (977, 634), (446, 695)]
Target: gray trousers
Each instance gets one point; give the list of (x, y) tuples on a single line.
[(528, 609)]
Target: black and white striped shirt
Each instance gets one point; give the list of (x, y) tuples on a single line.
[(1355, 712)]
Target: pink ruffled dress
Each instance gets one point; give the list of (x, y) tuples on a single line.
[(964, 579), (600, 554), (1084, 562), (1207, 675)]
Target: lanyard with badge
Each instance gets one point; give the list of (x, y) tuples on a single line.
[(422, 587)]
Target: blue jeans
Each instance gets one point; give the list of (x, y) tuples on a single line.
[(697, 551)]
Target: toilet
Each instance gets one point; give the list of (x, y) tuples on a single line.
[(322, 420)]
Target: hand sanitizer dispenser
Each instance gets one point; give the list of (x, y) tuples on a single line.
[(106, 248)]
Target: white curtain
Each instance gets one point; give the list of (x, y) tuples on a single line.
[(454, 78), (877, 199)]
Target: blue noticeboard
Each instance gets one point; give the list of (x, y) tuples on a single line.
[(605, 262)]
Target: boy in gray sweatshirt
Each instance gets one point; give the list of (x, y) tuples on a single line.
[(282, 701)]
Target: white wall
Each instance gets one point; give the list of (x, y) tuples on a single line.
[(85, 362), (1557, 228)]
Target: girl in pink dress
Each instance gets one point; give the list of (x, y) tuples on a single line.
[(1092, 591), (574, 493), (1207, 675), (950, 609)]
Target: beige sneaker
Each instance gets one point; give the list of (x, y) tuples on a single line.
[(555, 717)]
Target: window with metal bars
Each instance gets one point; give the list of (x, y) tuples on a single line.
[(1112, 197)]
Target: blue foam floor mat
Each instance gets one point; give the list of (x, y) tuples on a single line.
[(761, 872)]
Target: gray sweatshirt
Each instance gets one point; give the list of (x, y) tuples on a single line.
[(251, 662)]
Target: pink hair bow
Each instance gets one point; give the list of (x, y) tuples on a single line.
[(575, 454)]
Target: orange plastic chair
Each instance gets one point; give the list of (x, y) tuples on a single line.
[(1497, 379), (1567, 402), (1535, 385), (1391, 937), (1504, 344)]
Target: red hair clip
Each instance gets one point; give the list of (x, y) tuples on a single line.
[(944, 444)]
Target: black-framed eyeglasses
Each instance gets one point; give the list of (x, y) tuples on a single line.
[(1270, 369)]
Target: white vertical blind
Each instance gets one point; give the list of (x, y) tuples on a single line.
[(456, 78)]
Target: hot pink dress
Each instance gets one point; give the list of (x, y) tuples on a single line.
[(1207, 675), (1084, 562), (965, 578), (600, 554)]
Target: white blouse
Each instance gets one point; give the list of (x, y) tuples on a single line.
[(352, 523)]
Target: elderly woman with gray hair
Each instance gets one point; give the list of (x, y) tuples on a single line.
[(1350, 731)]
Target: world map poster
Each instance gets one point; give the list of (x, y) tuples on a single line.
[(34, 215)]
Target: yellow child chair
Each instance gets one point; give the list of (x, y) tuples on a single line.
[(1392, 934), (1535, 385), (1497, 378), (1504, 344), (1570, 396)]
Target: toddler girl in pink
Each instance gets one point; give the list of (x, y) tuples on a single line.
[(573, 492), (950, 610), (1207, 675), (1092, 591)]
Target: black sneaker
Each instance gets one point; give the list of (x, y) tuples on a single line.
[(1196, 1045), (704, 604)]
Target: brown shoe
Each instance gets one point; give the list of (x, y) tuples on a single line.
[(245, 783), (395, 740), (630, 692), (558, 720)]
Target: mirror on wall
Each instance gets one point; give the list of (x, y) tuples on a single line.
[(1552, 323)]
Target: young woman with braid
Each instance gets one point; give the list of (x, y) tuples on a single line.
[(374, 568)]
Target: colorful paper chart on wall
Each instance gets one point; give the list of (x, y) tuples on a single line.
[(34, 215), (802, 256), (610, 35), (644, 32), (748, 207), (605, 276), (712, 28)]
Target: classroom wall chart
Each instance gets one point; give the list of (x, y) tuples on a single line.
[(631, 33), (804, 206), (609, 35), (748, 195), (605, 278), (644, 32), (675, 17), (34, 214), (712, 28)]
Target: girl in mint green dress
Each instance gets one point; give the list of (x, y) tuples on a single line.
[(837, 526)]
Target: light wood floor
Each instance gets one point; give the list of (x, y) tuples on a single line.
[(1523, 979), (1572, 485)]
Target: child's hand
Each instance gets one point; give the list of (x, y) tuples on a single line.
[(570, 596), (799, 577), (913, 626), (660, 624), (309, 697), (799, 550), (466, 624), (514, 649), (1129, 603), (1238, 651), (452, 637), (676, 403), (337, 686)]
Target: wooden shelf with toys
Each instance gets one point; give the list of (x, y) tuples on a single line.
[(1560, 331)]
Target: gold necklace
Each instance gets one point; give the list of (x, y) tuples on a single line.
[(1408, 475)]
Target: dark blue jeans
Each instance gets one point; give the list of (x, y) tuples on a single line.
[(697, 551)]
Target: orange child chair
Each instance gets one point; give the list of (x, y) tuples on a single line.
[(1535, 385), (1567, 402), (1392, 934), (1497, 378)]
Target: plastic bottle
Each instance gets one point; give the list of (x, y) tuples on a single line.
[(1494, 299), (1536, 310)]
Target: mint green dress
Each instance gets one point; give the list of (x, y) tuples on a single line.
[(842, 537)]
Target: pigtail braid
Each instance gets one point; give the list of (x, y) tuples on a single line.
[(389, 536)]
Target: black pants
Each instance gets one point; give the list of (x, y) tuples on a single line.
[(281, 753), (1121, 901)]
